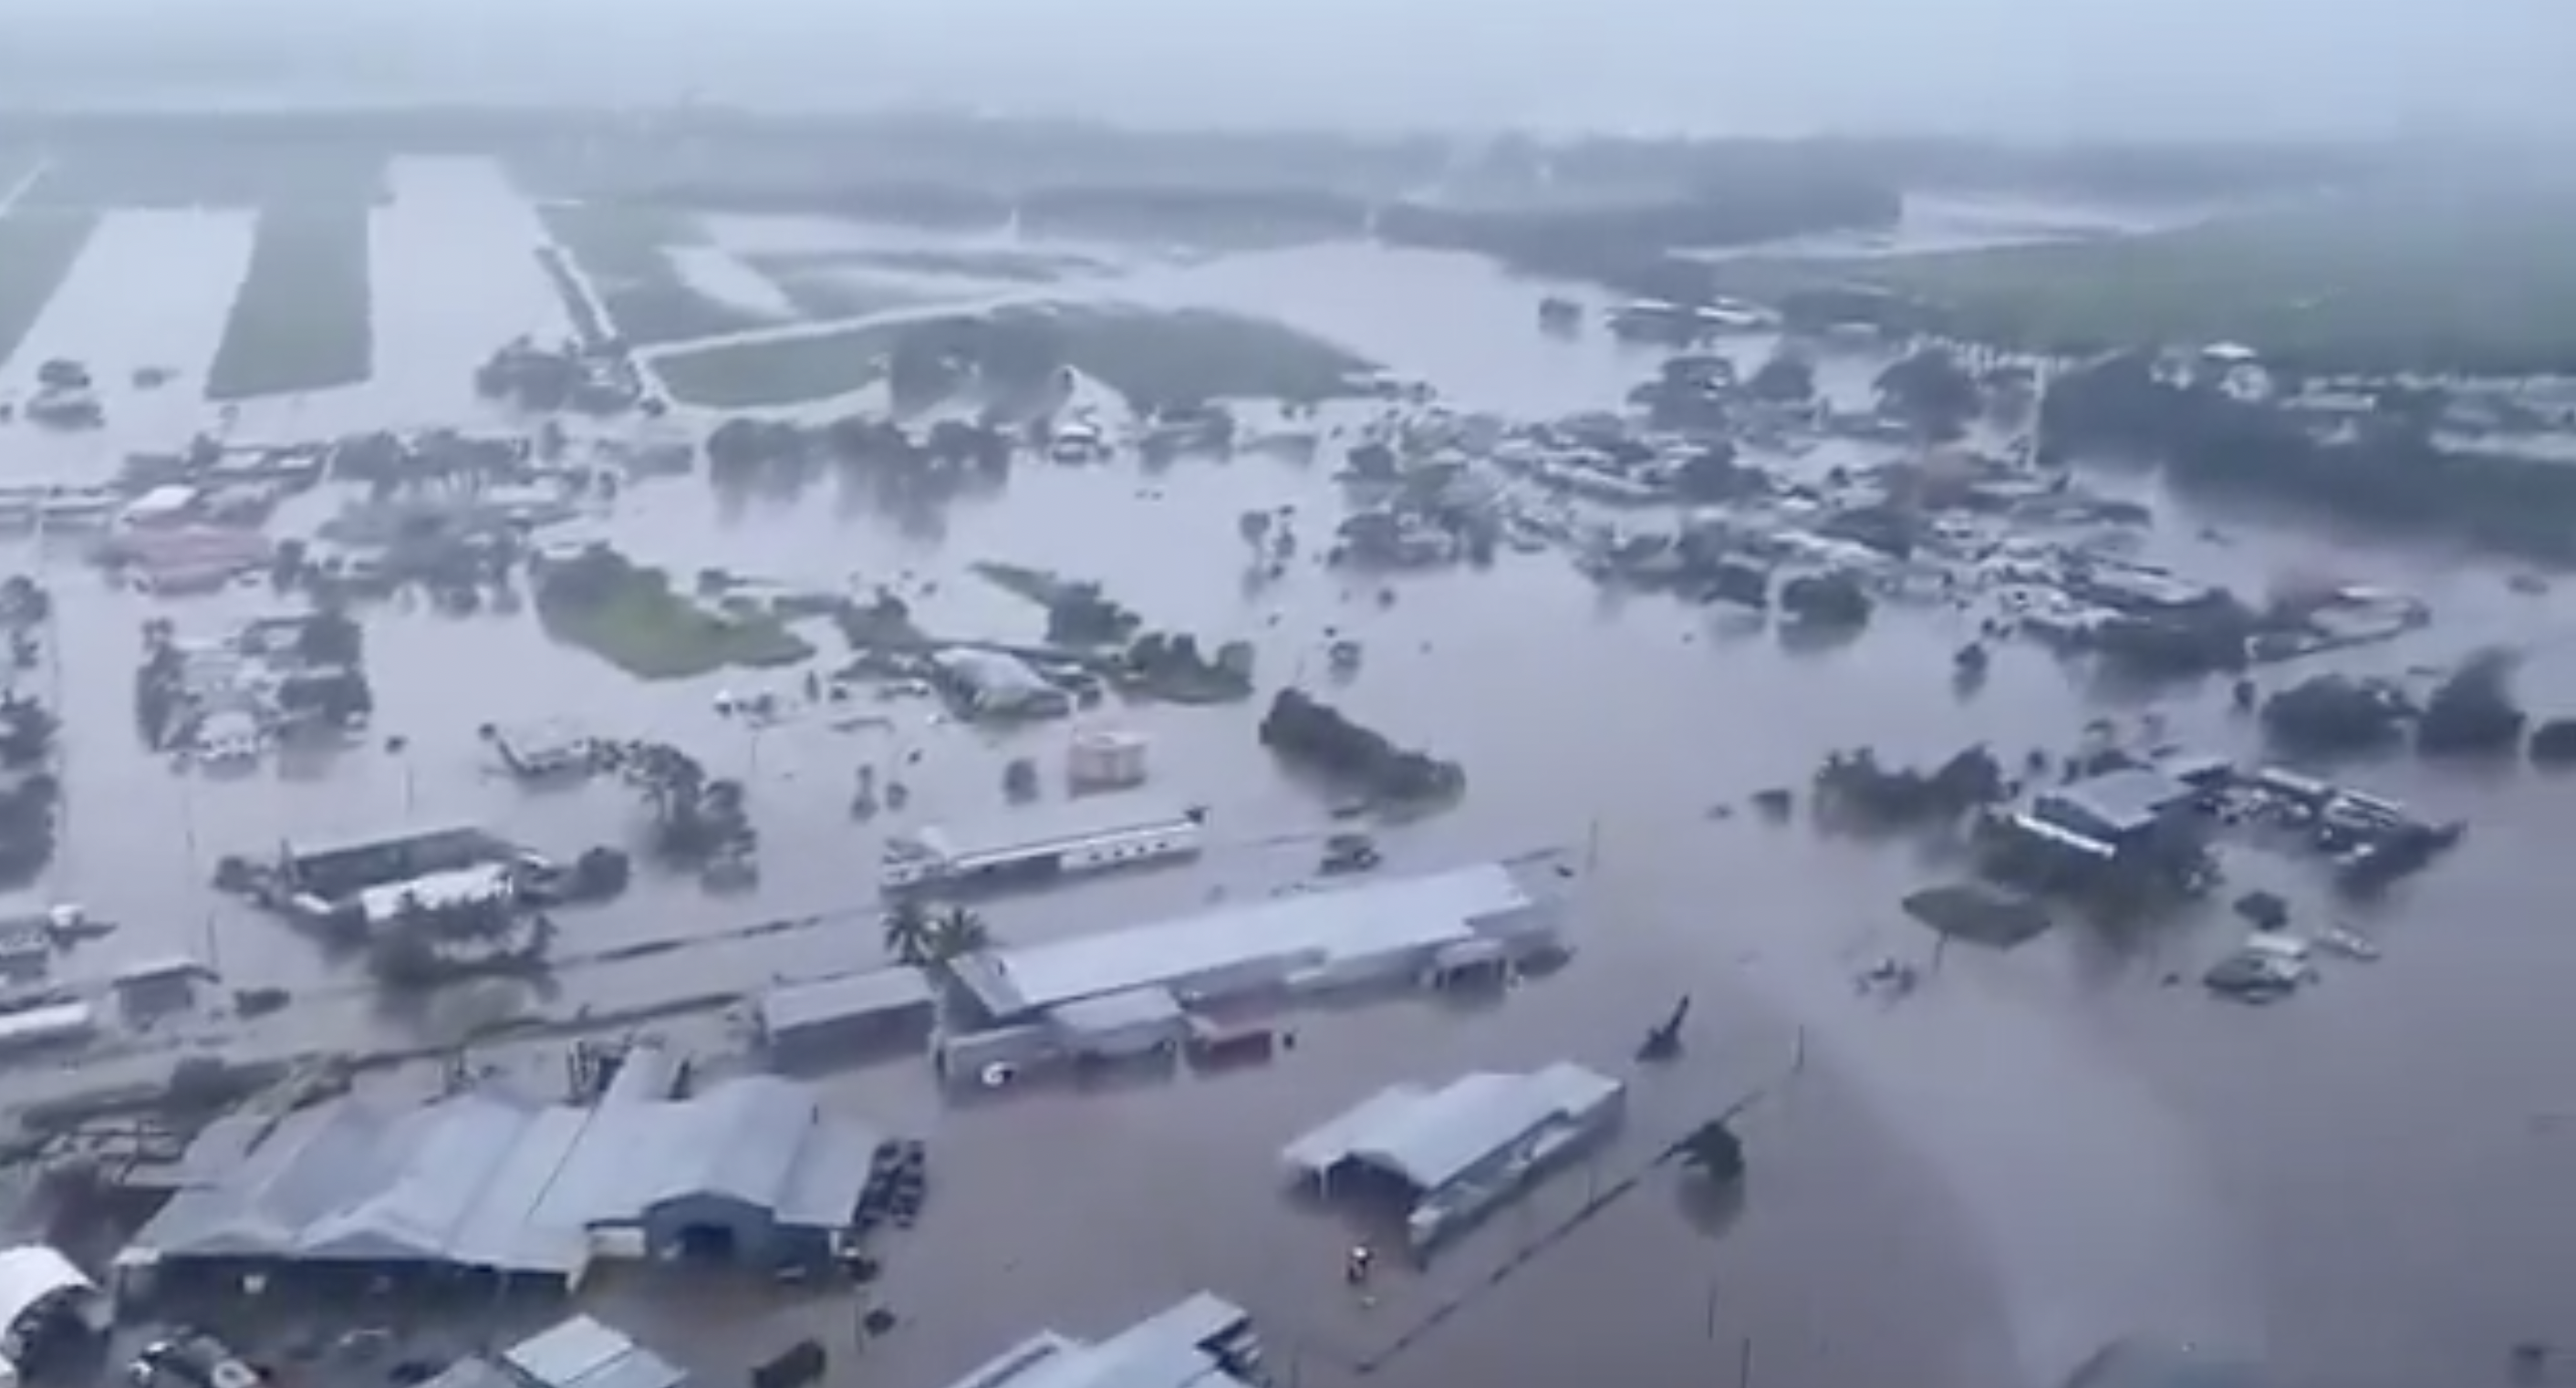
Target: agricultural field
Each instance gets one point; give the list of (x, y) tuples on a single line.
[(303, 319), (37, 252), (633, 258), (1148, 355), (2362, 283), (779, 371), (161, 176)]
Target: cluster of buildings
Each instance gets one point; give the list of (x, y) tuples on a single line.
[(363, 884), (224, 700)]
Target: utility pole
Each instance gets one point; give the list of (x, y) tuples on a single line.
[(1744, 1363)]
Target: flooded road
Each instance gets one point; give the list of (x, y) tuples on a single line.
[(2039, 1151)]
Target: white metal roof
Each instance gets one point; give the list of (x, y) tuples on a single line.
[(1431, 1139), (1312, 930), (29, 1274)]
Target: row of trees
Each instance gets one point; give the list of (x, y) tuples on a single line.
[(2388, 470)]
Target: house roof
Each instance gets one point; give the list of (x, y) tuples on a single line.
[(1306, 931), (490, 1180), (1433, 1137)]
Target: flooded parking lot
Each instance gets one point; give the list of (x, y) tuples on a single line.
[(2038, 1151)]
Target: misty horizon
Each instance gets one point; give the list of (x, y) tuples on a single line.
[(2079, 69)]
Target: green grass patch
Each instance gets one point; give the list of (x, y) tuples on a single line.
[(37, 252), (629, 616), (1154, 356), (173, 174), (788, 371), (2478, 281), (304, 317), (826, 290), (625, 252), (1190, 355)]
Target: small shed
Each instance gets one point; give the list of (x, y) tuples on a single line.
[(157, 985), (818, 1021)]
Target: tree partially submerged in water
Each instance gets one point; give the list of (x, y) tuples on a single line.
[(1932, 391), (2333, 713), (1306, 731), (2473, 712), (1856, 786), (696, 817)]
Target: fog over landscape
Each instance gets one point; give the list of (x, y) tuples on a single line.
[(2077, 68), (1662, 692)]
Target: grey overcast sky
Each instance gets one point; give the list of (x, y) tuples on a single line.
[(2036, 68)]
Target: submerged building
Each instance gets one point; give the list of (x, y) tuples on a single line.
[(752, 1171), (1135, 989), (1072, 839), (578, 1353), (1202, 1342), (1454, 1153)]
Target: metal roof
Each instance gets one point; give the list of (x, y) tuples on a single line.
[(582, 1353), (30, 1274), (1166, 1350), (843, 998), (1116, 1012), (1039, 829), (1433, 1138), (1308, 932), (2122, 801), (489, 1180)]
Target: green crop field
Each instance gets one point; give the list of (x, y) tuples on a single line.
[(303, 320)]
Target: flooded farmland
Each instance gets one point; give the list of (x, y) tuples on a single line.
[(2037, 1152)]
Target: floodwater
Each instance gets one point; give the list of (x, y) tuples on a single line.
[(2039, 1151)]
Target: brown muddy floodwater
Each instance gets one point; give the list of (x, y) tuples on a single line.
[(2037, 1152)]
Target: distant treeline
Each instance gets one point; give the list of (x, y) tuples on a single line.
[(943, 147), (2388, 470)]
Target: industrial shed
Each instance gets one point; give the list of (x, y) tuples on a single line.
[(1394, 930), (818, 1021), (753, 1171), (1457, 1151)]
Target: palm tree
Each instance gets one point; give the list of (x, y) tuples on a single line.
[(908, 932), (956, 932)]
